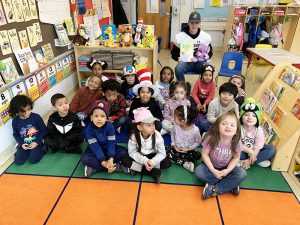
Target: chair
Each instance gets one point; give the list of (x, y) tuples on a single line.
[(257, 62), (159, 43), (225, 70)]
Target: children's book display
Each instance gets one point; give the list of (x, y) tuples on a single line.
[(296, 109), (8, 70), (26, 60), (18, 89), (61, 34)]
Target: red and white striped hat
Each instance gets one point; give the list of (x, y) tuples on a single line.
[(140, 21), (144, 77)]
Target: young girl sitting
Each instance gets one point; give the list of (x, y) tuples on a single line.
[(85, 97), (146, 92), (185, 138), (221, 154), (29, 130), (163, 85), (239, 81), (255, 150), (103, 153), (97, 67), (179, 92), (204, 89), (146, 147)]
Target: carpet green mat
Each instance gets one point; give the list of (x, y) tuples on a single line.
[(52, 164)]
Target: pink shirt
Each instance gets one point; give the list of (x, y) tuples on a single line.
[(254, 138), (206, 91)]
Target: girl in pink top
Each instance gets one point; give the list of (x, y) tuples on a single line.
[(221, 151)]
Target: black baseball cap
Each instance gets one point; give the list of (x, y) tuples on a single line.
[(195, 17)]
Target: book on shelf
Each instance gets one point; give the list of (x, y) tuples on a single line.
[(70, 26), (39, 56), (277, 89), (267, 129), (278, 115), (26, 60), (8, 70), (48, 52), (273, 138), (61, 33), (296, 84), (187, 51), (288, 75), (268, 100), (296, 109)]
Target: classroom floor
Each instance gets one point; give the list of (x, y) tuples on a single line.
[(55, 191)]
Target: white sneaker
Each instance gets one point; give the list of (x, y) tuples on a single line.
[(163, 131), (189, 166), (265, 163)]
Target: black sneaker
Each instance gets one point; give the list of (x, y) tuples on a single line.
[(74, 149), (156, 174), (88, 171), (235, 191), (121, 169)]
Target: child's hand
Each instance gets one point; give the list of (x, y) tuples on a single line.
[(111, 168), (199, 106), (25, 146), (149, 165), (204, 108), (184, 150), (110, 119), (224, 172), (252, 157), (217, 174), (33, 145), (178, 149), (246, 164), (128, 103)]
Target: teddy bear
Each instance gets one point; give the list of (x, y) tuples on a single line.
[(202, 53), (126, 36), (81, 38), (148, 40)]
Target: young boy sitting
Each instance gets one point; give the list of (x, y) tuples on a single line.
[(116, 102), (221, 105), (64, 127)]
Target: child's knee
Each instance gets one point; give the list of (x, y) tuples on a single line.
[(20, 161)]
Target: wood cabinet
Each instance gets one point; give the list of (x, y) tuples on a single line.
[(150, 53)]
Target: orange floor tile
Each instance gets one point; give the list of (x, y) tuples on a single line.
[(28, 199), (260, 207), (90, 202), (175, 204)]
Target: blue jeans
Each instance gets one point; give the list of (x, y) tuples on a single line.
[(266, 153), (226, 184), (185, 67), (34, 155), (204, 126)]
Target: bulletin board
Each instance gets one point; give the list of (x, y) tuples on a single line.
[(213, 12)]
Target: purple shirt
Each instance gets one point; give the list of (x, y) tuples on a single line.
[(221, 155), (171, 105)]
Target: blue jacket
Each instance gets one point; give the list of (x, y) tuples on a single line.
[(102, 141)]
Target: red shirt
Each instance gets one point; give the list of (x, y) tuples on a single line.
[(204, 91)]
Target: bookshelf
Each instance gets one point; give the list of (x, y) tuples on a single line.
[(288, 130), (150, 53)]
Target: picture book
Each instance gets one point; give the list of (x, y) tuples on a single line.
[(17, 6), (271, 105), (47, 50), (267, 129), (274, 138), (4, 43), (296, 109), (8, 70), (66, 66), (2, 83), (72, 62), (51, 74), (59, 71), (9, 11), (187, 51), (4, 105), (43, 82), (2, 16), (278, 115), (61, 33), (40, 59), (38, 32), (296, 84), (31, 36), (32, 88), (26, 60), (33, 9), (106, 31), (18, 89), (26, 10), (14, 39), (266, 99), (277, 89), (70, 26), (288, 75), (23, 38)]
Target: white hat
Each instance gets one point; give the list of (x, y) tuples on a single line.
[(144, 77)]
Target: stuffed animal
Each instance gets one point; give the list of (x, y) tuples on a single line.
[(81, 38), (148, 40), (202, 53), (126, 36), (110, 42), (138, 31)]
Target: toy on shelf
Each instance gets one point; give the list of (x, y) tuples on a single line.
[(81, 38), (126, 36), (148, 40), (138, 31), (202, 53), (110, 41)]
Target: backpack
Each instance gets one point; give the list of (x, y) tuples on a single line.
[(276, 34)]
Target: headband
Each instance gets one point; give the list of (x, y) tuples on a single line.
[(102, 63), (185, 112), (238, 77)]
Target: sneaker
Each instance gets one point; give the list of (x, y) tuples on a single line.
[(208, 191), (132, 172), (74, 149), (189, 166), (265, 163), (88, 171), (235, 191), (121, 169)]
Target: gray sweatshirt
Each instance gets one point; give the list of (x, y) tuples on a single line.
[(215, 109)]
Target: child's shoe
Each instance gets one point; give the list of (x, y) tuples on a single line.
[(189, 166), (121, 169), (235, 191), (74, 149), (156, 174), (88, 171), (209, 191), (265, 163)]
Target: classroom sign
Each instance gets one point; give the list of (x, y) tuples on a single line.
[(32, 88), (72, 62), (66, 65), (51, 73), (42, 81), (4, 105), (59, 71), (18, 89)]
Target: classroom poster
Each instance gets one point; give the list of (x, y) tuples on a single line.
[(105, 9), (14, 40), (9, 11), (31, 36), (17, 6), (4, 105), (72, 63), (66, 66), (4, 43), (26, 60), (26, 10), (32, 88), (216, 3), (43, 82), (38, 32), (2, 16), (33, 9), (18, 89), (51, 73), (23, 39), (59, 71)]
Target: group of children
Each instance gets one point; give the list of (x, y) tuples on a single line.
[(229, 126)]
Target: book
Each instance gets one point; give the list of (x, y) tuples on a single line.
[(4, 105), (266, 99), (43, 82), (4, 43), (40, 59), (277, 89), (61, 33), (59, 71), (18, 89), (187, 52), (267, 129), (51, 74), (32, 88), (48, 52), (8, 70), (274, 138), (69, 26), (272, 104), (278, 115), (296, 109), (105, 34), (18, 10), (26, 60), (288, 75), (296, 84), (9, 11)]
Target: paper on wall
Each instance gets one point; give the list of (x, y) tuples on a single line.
[(18, 89), (38, 32), (23, 39), (9, 11), (199, 4), (17, 5), (26, 10), (152, 6), (105, 8), (53, 11), (33, 9), (14, 40), (4, 43), (2, 16), (32, 36)]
